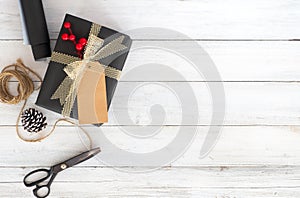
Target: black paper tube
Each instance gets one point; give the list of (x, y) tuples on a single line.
[(36, 26)]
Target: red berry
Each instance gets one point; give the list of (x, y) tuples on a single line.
[(67, 25), (72, 37), (65, 36), (79, 46), (83, 41)]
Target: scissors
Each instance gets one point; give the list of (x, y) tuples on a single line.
[(38, 177)]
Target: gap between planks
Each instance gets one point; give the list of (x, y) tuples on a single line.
[(235, 61)]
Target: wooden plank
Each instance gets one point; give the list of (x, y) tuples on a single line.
[(194, 177), (235, 61), (91, 189), (247, 103), (232, 19), (147, 188), (247, 161), (237, 146)]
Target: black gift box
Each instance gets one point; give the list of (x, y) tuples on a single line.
[(55, 73)]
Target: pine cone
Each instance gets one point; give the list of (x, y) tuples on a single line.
[(33, 120)]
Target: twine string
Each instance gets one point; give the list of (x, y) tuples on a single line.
[(25, 83), (25, 88)]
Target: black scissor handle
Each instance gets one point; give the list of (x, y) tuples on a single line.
[(34, 181), (41, 191)]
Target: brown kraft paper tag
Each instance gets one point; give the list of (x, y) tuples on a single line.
[(91, 98)]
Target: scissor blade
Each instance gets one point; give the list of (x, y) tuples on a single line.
[(82, 157)]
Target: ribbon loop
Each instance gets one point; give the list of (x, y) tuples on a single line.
[(94, 44)]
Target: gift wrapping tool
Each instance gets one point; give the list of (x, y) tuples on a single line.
[(34, 28), (38, 177)]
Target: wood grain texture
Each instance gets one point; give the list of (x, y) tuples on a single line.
[(244, 176), (237, 146), (254, 46), (232, 19), (247, 103), (186, 182), (98, 189), (235, 61)]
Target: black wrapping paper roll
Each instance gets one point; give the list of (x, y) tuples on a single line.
[(36, 26)]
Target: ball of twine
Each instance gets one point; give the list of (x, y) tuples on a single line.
[(25, 84)]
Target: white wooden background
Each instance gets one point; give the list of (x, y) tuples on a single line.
[(254, 46)]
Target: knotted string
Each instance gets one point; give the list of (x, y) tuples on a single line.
[(25, 88), (25, 83)]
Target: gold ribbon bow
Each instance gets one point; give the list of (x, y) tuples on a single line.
[(95, 51)]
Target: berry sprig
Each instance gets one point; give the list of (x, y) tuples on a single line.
[(79, 45)]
